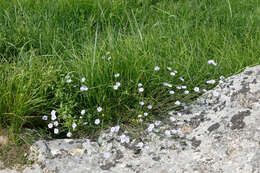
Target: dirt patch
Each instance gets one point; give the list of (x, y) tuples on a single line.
[(3, 137)]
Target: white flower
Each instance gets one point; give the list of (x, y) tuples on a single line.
[(112, 130), (156, 68), (183, 87), (117, 128), (196, 89), (97, 121), (140, 145), (80, 117), (115, 87), (83, 79), (69, 134), (212, 62), (172, 119), (179, 114), (53, 115), (178, 87), (53, 112), (140, 90), (45, 117), (107, 155), (139, 85), (141, 103), (181, 78), (124, 139), (50, 125), (117, 75), (171, 92), (139, 116), (169, 68), (69, 80), (108, 53), (56, 131), (221, 77), (167, 132), (99, 109), (186, 92), (84, 88), (172, 74), (74, 125), (150, 127), (167, 84), (55, 123), (149, 106), (83, 112), (140, 120), (211, 82), (157, 123), (85, 123), (177, 102), (145, 114), (109, 58), (103, 57), (127, 140), (118, 84), (175, 71)]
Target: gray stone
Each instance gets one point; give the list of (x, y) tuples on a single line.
[(223, 138)]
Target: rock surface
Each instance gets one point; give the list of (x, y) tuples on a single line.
[(218, 133)]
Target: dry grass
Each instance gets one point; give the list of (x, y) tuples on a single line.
[(15, 154)]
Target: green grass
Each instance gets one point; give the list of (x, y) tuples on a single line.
[(42, 42)]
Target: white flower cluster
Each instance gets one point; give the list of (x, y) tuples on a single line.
[(114, 129), (54, 123), (84, 88), (167, 84), (116, 85), (140, 88)]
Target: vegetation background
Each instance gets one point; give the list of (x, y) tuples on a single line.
[(44, 43)]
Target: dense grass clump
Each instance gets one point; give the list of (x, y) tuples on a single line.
[(83, 65)]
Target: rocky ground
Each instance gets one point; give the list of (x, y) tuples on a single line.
[(218, 133)]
